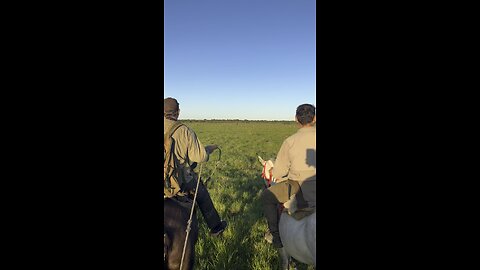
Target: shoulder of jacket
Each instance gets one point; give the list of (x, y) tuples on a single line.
[(295, 136), (185, 130), (290, 139)]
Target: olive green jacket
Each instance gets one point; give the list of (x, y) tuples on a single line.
[(188, 148)]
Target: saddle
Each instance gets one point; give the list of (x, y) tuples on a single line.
[(183, 201), (290, 208)]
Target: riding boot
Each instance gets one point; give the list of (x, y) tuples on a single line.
[(272, 222), (283, 258), (270, 212), (207, 208)]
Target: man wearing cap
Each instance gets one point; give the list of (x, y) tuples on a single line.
[(295, 171), (189, 150)]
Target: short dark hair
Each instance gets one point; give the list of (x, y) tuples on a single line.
[(170, 108), (305, 113), (170, 105)]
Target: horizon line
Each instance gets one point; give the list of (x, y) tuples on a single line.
[(234, 119)]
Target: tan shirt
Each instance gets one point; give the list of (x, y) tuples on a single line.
[(188, 148), (296, 159)]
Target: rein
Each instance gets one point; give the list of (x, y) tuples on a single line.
[(189, 223)]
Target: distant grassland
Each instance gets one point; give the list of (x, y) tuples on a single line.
[(235, 188)]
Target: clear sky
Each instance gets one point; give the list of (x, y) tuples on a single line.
[(240, 59)]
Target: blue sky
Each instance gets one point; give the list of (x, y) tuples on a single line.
[(240, 59)]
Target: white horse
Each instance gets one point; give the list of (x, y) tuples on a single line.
[(299, 237)]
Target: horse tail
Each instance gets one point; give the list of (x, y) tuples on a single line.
[(166, 247)]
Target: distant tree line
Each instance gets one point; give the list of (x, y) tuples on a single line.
[(236, 120)]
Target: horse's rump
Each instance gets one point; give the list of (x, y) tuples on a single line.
[(299, 237), (176, 214)]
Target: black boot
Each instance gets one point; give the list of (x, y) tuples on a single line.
[(210, 214), (284, 258), (219, 228), (273, 234)]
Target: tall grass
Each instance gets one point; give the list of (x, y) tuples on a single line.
[(235, 189)]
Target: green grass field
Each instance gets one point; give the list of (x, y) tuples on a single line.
[(235, 189)]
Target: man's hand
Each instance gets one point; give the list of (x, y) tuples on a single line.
[(210, 148)]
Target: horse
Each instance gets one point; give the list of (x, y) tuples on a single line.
[(176, 215), (299, 237)]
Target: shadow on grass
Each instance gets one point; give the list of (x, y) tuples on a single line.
[(237, 247)]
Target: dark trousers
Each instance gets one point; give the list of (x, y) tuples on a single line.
[(204, 202), (274, 195)]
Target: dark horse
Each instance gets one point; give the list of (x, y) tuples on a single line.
[(175, 215)]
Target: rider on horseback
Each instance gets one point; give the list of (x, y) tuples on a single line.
[(295, 171), (189, 151)]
